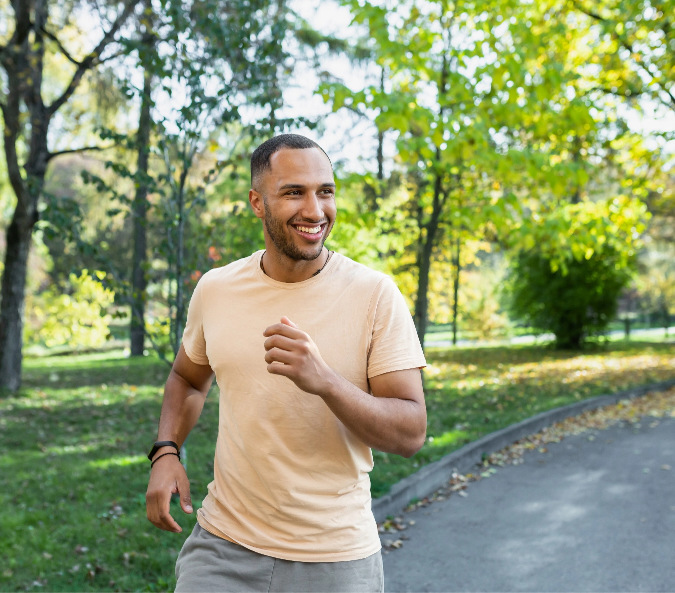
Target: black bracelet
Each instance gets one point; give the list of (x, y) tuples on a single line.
[(164, 455), (159, 444)]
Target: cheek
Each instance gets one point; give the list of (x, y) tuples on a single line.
[(330, 210)]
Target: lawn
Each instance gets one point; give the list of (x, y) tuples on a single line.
[(73, 446)]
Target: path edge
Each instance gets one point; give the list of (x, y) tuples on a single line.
[(433, 476)]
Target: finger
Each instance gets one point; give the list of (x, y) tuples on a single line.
[(158, 512), (276, 368), (286, 321), (185, 498), (278, 355), (281, 342), (282, 329)]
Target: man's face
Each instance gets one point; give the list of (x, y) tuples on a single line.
[(295, 198)]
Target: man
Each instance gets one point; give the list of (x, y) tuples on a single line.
[(317, 361)]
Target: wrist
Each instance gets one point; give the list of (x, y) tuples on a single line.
[(163, 451), (159, 445), (169, 453), (332, 385)]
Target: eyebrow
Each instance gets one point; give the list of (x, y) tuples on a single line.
[(300, 186)]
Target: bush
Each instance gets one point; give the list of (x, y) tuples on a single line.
[(77, 316), (572, 303)]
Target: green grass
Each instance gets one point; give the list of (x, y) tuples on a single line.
[(73, 445), (74, 474), (471, 392)]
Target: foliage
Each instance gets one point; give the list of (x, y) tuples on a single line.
[(481, 314), (628, 55), (571, 264), (482, 114), (574, 304), (656, 284), (76, 315)]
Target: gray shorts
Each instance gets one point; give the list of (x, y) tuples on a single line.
[(209, 563)]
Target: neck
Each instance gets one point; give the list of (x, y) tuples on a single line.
[(285, 269)]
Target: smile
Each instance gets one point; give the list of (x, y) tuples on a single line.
[(308, 229)]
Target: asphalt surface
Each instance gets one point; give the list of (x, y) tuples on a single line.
[(596, 512)]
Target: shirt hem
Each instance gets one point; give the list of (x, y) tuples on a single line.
[(402, 366), (293, 557)]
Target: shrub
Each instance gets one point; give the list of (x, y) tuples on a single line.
[(572, 303), (76, 316)]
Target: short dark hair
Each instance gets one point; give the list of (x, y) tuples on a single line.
[(260, 159)]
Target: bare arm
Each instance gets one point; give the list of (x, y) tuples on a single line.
[(394, 420), (184, 394)]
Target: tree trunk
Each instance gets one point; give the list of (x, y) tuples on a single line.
[(455, 289), (180, 257), (23, 63), (424, 261), (422, 301), (139, 280), (432, 227), (19, 236)]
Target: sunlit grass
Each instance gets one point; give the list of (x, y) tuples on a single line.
[(73, 471), (471, 392)]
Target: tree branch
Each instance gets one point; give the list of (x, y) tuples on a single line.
[(646, 67), (62, 49), (93, 58), (52, 155), (627, 94), (588, 12)]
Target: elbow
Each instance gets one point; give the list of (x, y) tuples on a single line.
[(413, 446), (416, 437)]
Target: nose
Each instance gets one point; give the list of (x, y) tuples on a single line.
[(312, 209)]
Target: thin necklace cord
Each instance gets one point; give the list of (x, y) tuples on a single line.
[(330, 254)]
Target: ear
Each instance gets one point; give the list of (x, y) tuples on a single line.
[(257, 204)]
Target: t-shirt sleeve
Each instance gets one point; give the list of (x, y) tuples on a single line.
[(395, 345), (193, 335)]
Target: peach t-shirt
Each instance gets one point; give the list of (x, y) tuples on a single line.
[(290, 481)]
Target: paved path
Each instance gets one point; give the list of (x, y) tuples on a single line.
[(594, 513)]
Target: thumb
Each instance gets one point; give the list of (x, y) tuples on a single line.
[(185, 498), (286, 321)]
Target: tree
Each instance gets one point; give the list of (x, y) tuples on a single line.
[(28, 118), (571, 265), (459, 96), (573, 304), (139, 206)]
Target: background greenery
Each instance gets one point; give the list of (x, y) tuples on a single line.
[(467, 137)]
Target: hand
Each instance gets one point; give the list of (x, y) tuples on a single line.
[(292, 353), (167, 477)]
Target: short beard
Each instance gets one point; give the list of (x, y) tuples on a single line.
[(276, 231)]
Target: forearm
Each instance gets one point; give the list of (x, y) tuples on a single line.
[(181, 408), (389, 424)]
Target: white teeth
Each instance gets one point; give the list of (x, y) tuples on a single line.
[(311, 230)]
